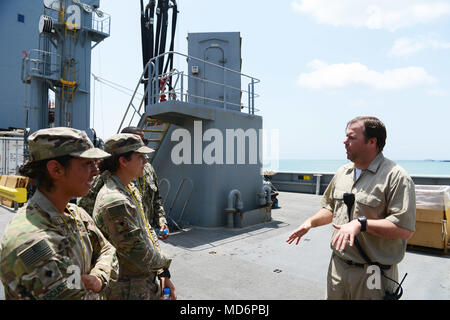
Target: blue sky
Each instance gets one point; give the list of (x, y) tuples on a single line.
[(320, 62)]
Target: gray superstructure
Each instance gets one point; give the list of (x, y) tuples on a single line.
[(206, 135)]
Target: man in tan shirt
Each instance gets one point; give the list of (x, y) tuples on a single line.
[(382, 217)]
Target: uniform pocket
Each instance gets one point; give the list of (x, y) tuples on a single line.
[(368, 199), (369, 205)]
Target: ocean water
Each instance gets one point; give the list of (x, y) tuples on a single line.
[(414, 167)]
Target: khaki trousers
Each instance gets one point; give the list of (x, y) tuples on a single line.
[(349, 282)]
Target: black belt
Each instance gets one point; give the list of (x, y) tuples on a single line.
[(361, 265)]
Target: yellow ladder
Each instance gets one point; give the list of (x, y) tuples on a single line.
[(155, 131), (68, 81), (68, 85)]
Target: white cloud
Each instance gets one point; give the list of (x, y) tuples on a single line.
[(373, 14), (342, 75), (407, 46)]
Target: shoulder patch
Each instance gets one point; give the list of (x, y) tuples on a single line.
[(35, 253)]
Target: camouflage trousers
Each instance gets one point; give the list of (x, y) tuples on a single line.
[(135, 289)]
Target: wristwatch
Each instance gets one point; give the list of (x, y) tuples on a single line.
[(363, 221)]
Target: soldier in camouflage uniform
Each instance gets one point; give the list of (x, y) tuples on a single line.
[(52, 249), (88, 201), (119, 214), (148, 187)]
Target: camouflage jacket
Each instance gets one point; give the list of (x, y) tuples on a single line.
[(88, 201), (118, 215), (43, 253), (148, 188)]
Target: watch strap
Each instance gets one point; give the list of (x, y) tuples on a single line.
[(363, 221)]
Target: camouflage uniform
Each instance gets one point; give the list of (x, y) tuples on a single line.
[(88, 201), (151, 199), (148, 188), (43, 252), (119, 214)]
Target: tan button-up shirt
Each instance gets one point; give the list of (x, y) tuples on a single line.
[(383, 191)]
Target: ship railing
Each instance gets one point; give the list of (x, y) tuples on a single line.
[(41, 64), (101, 22), (245, 93), (152, 80), (179, 92)]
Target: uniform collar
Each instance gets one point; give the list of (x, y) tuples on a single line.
[(45, 204), (119, 183), (373, 166), (376, 162)]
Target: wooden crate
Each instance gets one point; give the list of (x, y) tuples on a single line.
[(431, 229)]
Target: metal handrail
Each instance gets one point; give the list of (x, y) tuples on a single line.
[(168, 188), (179, 91), (142, 77), (203, 97), (213, 64), (40, 63), (252, 80), (101, 25), (185, 202)]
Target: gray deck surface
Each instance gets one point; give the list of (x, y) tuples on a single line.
[(256, 263)]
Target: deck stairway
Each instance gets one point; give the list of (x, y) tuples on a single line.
[(155, 132)]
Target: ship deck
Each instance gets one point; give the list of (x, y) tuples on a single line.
[(255, 263)]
